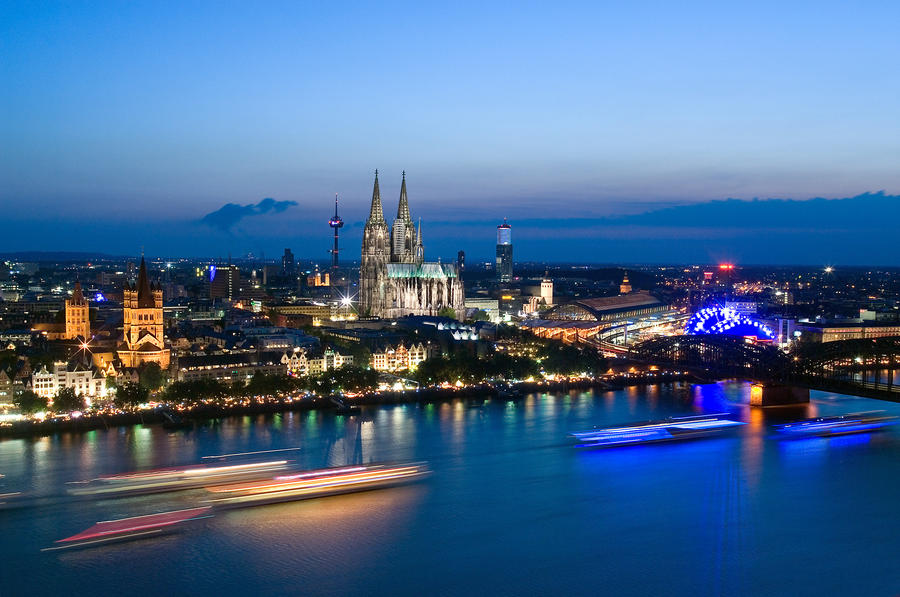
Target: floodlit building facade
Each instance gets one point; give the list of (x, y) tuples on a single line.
[(399, 358), (394, 278), (142, 324)]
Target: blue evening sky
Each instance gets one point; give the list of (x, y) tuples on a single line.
[(124, 123)]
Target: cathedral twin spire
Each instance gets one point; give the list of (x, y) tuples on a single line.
[(403, 207), (406, 237), (376, 213)]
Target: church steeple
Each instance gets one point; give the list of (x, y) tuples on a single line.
[(144, 292), (77, 295), (376, 213), (403, 207), (419, 249), (625, 287)]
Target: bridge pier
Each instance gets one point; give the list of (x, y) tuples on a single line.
[(771, 394)]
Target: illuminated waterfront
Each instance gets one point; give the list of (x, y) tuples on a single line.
[(510, 508)]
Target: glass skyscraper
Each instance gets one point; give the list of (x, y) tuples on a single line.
[(504, 252)]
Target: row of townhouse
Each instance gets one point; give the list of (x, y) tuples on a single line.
[(89, 382), (399, 357), (240, 367), (299, 362)]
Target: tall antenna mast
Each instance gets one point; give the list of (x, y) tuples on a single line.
[(336, 223)]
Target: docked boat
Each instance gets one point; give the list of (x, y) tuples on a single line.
[(125, 529), (864, 422), (315, 484), (509, 392), (176, 479), (666, 430), (172, 421), (342, 407)]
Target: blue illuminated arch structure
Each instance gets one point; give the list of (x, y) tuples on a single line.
[(722, 321)]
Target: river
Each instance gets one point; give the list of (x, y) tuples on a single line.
[(511, 508)]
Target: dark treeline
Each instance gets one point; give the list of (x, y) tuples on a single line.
[(344, 379), (535, 357), (547, 357), (550, 357)]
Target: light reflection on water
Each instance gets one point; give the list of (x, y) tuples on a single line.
[(510, 509)]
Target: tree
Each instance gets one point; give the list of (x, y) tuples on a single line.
[(131, 394), (480, 315), (29, 403), (262, 384), (186, 392), (460, 366), (447, 312), (152, 376), (565, 359), (67, 400), (354, 379)]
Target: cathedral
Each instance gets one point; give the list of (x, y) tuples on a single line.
[(394, 278), (142, 321)]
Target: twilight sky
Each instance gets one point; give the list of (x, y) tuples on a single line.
[(591, 126)]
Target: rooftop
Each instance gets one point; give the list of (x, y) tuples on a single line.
[(421, 270)]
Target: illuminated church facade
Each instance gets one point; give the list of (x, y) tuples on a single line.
[(394, 278), (142, 324)]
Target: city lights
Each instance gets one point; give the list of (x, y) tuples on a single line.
[(719, 320)]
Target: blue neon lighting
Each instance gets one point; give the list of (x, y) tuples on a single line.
[(650, 432), (719, 320), (825, 427)]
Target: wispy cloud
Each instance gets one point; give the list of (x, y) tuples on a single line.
[(230, 214)]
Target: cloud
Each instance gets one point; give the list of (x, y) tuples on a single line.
[(230, 214), (846, 231), (862, 212)]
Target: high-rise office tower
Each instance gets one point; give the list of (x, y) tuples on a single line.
[(504, 252), (225, 283), (287, 262)]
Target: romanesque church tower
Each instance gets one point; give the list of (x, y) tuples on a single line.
[(78, 321), (142, 324)]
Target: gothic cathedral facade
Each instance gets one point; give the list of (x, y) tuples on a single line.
[(394, 278)]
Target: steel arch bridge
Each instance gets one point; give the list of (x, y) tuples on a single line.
[(862, 367), (719, 355), (867, 364)]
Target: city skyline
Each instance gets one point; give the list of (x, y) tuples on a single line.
[(449, 298), (131, 118), (852, 231)]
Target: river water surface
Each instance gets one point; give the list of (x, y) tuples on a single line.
[(511, 508)]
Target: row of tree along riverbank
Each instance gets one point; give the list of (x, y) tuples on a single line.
[(185, 417)]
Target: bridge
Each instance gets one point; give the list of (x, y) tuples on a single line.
[(862, 367)]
